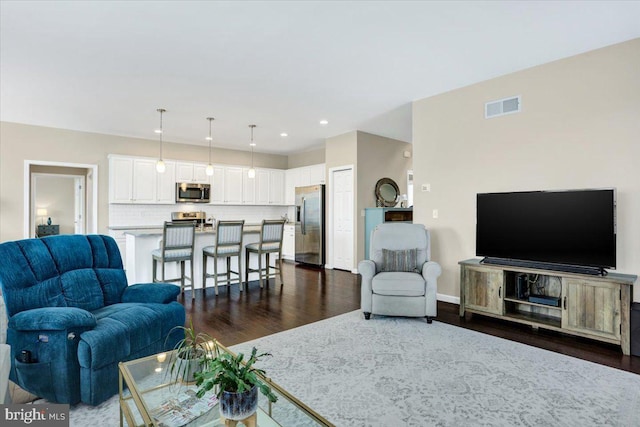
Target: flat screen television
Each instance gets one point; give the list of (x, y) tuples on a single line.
[(573, 230)]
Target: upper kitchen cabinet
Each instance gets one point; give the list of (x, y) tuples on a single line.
[(217, 185), (135, 180), (276, 187), (248, 188), (262, 186), (233, 185), (191, 172), (301, 177)]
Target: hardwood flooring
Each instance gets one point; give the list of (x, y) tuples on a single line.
[(309, 295)]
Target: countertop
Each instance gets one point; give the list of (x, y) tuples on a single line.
[(157, 231)]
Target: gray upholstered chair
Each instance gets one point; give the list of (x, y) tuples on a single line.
[(228, 245), (399, 279), (270, 242), (176, 246)]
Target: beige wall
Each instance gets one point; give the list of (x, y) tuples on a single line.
[(20, 142), (312, 157), (579, 128), (378, 157), (57, 195)]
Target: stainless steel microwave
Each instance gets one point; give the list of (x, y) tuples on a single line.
[(188, 192)]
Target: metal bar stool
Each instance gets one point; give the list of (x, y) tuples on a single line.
[(270, 242), (228, 244), (176, 246)]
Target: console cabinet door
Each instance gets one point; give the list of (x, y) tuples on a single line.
[(483, 290), (591, 308)]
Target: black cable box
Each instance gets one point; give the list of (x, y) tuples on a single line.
[(545, 299)]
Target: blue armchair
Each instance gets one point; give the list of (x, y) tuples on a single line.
[(69, 306)]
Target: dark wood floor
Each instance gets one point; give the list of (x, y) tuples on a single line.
[(310, 295)]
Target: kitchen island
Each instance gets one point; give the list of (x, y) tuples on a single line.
[(140, 243)]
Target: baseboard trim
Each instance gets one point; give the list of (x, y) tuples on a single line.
[(448, 298)]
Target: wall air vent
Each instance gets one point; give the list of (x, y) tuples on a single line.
[(502, 106)]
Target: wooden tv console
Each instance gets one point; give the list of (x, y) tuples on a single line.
[(596, 307)]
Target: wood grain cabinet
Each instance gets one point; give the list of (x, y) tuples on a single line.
[(596, 307)]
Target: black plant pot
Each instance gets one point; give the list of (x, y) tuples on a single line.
[(238, 406)]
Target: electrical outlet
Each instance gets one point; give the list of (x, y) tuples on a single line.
[(426, 187), (435, 213)]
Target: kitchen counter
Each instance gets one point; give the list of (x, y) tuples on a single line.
[(248, 229)]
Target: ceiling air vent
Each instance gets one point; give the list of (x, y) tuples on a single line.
[(502, 106)]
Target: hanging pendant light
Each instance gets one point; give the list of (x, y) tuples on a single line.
[(160, 166), (252, 171), (209, 169)]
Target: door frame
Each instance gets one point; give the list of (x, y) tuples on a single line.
[(330, 246), (91, 221)]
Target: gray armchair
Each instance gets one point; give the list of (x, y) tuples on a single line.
[(399, 279)]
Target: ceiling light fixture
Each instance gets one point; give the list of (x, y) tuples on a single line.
[(252, 171), (283, 134), (324, 122), (160, 166), (209, 169)]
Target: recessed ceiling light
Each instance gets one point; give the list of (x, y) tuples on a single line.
[(284, 134), (324, 122), (253, 144), (208, 138), (158, 131)]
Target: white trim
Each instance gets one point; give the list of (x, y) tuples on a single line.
[(91, 227), (330, 213), (448, 298)]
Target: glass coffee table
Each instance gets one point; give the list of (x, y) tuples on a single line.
[(149, 396)]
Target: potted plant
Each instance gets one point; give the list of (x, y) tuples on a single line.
[(237, 380), (191, 353)]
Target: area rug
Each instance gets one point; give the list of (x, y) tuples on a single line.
[(391, 371)]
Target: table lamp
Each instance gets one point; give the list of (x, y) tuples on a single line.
[(41, 212)]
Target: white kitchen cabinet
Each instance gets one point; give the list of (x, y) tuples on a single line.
[(120, 179), (317, 174), (217, 185), (191, 172), (289, 242), (233, 185), (166, 192), (248, 188), (304, 177), (290, 180), (145, 181), (262, 178), (276, 187)]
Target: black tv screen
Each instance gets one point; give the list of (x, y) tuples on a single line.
[(575, 227)]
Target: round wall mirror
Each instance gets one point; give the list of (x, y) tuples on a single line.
[(387, 192)]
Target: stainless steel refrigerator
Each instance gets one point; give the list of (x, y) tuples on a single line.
[(310, 225)]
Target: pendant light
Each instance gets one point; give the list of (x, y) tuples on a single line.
[(209, 169), (160, 166), (252, 171)]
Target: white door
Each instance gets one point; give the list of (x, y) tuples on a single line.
[(342, 214)]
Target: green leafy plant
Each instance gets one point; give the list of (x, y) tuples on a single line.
[(192, 353), (233, 374)]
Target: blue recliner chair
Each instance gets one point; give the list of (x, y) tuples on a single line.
[(70, 308)]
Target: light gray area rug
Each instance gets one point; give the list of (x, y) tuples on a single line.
[(403, 372)]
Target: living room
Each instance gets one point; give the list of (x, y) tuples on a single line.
[(577, 129)]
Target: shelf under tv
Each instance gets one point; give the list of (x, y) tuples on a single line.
[(592, 271)]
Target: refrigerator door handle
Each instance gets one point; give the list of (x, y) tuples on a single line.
[(303, 219)]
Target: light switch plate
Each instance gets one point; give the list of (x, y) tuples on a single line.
[(435, 213), (426, 187)]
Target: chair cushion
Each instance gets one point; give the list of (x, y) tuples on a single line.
[(400, 260), (266, 247), (172, 255), (211, 250), (398, 284)]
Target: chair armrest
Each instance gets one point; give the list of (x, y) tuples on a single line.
[(431, 270), (52, 319), (367, 268), (161, 293)]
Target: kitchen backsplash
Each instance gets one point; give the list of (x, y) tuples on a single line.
[(133, 215)]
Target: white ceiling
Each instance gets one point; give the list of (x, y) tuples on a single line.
[(105, 66)]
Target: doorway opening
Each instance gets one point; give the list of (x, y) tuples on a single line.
[(60, 194)]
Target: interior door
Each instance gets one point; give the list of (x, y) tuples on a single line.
[(342, 214)]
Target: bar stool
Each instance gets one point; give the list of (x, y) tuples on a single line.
[(176, 246), (228, 244), (270, 242)]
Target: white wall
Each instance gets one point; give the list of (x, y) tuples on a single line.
[(579, 128)]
